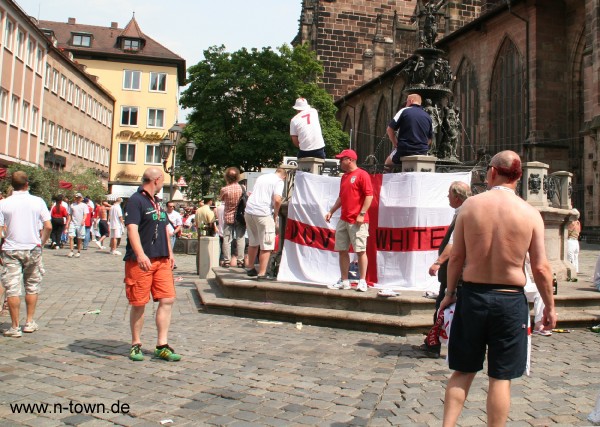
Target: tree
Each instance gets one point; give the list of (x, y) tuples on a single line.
[(242, 105), (44, 183)]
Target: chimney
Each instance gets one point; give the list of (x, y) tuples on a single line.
[(114, 25), (72, 21)]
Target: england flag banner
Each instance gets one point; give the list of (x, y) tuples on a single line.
[(409, 216)]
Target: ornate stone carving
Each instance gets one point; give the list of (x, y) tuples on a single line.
[(534, 183)]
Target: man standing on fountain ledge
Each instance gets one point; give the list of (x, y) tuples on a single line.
[(415, 131), (356, 195), (493, 233)]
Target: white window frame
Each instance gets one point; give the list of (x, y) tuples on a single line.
[(154, 112), (83, 101), (86, 148), (70, 92), (50, 140), (89, 105), (14, 110), (130, 108), (67, 144), (109, 119), (77, 94), (48, 76), (156, 76), (92, 151), (9, 30), (59, 137), (131, 80), (80, 146), (3, 104), (44, 131), (74, 139), (25, 115), (35, 116), (39, 60), (80, 40), (55, 75), (63, 86), (129, 147), (155, 148), (20, 43), (30, 51)]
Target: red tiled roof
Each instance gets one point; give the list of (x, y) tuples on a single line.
[(105, 44)]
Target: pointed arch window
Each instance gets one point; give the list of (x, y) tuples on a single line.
[(364, 140), (507, 100), (383, 145), (466, 98)]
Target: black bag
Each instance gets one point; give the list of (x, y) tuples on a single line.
[(241, 208)]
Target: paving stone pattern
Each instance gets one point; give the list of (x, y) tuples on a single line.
[(246, 372)]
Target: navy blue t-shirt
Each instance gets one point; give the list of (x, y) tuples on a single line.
[(414, 130), (152, 229)]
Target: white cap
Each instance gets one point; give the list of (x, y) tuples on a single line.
[(301, 104)]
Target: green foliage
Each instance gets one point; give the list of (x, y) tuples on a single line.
[(45, 182), (241, 105)]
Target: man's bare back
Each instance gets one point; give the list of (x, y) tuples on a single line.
[(496, 243)]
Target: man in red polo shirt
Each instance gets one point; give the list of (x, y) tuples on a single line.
[(356, 195)]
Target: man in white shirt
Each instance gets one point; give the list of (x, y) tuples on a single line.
[(20, 216), (116, 224), (262, 210), (175, 222), (77, 214), (305, 131)]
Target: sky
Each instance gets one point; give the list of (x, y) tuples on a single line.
[(186, 27)]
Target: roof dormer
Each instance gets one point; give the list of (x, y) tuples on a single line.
[(131, 38)]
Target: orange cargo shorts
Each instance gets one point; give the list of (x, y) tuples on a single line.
[(158, 281)]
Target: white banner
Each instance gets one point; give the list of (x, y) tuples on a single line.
[(408, 219)]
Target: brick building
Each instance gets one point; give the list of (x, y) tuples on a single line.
[(526, 77)]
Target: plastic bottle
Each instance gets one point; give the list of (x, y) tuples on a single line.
[(554, 285)]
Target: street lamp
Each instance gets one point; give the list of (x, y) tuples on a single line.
[(166, 146)]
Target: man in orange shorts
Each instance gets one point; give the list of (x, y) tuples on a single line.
[(149, 265)]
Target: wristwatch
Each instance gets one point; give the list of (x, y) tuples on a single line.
[(363, 213), (452, 294)]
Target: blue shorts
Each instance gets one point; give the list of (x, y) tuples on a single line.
[(485, 316)]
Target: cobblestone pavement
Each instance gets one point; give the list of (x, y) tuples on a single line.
[(244, 372)]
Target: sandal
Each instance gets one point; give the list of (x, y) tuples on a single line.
[(240, 264), (226, 265)]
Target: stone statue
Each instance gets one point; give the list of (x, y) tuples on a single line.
[(451, 131), (436, 122), (428, 15)]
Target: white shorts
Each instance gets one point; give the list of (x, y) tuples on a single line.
[(261, 231), (116, 233), (76, 231)]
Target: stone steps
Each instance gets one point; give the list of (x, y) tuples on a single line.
[(232, 292)]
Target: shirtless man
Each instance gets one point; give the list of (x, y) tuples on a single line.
[(493, 233)]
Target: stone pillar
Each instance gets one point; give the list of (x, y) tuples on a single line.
[(555, 239), (564, 188), (208, 256), (311, 165), (418, 163), (535, 174)]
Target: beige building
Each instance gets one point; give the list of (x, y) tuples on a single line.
[(143, 76), (76, 127)]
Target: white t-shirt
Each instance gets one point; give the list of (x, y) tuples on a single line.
[(114, 216), (260, 201), (175, 219), (220, 218), (306, 126), (22, 214), (78, 211)]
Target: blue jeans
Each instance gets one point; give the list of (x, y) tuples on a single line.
[(86, 239)]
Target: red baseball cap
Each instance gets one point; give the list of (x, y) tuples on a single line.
[(347, 153)]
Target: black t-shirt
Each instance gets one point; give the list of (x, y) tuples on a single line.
[(153, 230)]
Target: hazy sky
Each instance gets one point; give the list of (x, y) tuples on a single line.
[(186, 27)]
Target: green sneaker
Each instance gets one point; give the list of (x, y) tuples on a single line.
[(167, 353), (595, 328), (135, 353)]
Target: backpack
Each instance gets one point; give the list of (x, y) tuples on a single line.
[(241, 208)]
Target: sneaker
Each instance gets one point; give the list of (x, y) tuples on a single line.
[(78, 254), (542, 332), (135, 353), (98, 244), (70, 255), (30, 327), (13, 332), (252, 272), (341, 284), (265, 278), (56, 247), (429, 350), (362, 286), (167, 353), (595, 328), (102, 247), (115, 253)]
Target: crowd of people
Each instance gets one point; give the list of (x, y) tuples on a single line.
[(479, 265)]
